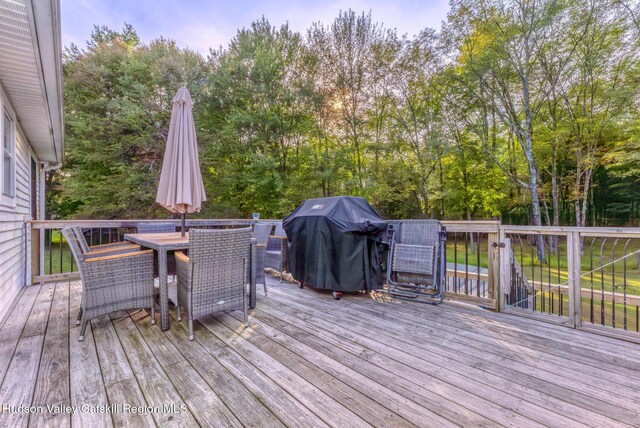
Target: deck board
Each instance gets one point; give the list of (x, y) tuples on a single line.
[(13, 326), (156, 387), (371, 411), (468, 340), (205, 405), (52, 385), (87, 386), (307, 360), (120, 383), (241, 402), (481, 378), (448, 383)]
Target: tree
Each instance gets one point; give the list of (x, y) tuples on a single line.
[(417, 120), (500, 45), (597, 93), (345, 53), (520, 108), (118, 97), (257, 120)]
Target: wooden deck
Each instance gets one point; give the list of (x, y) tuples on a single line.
[(308, 360)]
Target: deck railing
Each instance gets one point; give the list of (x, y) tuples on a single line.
[(52, 259), (473, 262), (586, 278)]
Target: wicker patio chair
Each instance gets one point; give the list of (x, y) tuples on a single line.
[(160, 228), (275, 249), (213, 277), (261, 232), (416, 261), (112, 282), (102, 249), (156, 228)]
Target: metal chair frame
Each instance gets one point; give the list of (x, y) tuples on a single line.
[(422, 281)]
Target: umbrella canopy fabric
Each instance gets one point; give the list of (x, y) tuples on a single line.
[(180, 189)]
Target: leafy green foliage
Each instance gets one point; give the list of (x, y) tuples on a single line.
[(521, 109), (118, 96)]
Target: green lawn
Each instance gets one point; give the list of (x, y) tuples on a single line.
[(57, 257), (554, 271), (613, 277), (548, 302), (472, 257)]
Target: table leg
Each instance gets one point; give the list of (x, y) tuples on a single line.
[(252, 274), (164, 290)]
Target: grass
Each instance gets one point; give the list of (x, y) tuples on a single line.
[(57, 256), (547, 302), (618, 276), (472, 257), (554, 271)]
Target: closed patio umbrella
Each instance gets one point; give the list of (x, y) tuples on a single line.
[(180, 189)]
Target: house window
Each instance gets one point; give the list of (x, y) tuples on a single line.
[(8, 158)]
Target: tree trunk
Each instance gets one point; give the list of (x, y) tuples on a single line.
[(442, 188), (534, 177), (473, 247), (555, 199)]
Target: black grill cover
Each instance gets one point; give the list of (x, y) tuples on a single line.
[(333, 243)]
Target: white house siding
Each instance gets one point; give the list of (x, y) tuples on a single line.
[(14, 243)]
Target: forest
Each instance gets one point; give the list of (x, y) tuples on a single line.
[(526, 111)]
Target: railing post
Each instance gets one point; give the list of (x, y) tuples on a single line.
[(42, 233), (505, 269), (35, 253), (493, 261), (574, 268)]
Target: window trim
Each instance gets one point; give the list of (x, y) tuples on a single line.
[(8, 200)]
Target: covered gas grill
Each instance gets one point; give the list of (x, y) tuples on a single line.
[(333, 244)]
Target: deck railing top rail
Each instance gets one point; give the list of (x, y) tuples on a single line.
[(58, 224), (620, 232), (482, 226)]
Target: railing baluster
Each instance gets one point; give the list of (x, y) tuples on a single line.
[(549, 262), (533, 277), (624, 285), (70, 257), (50, 251), (455, 262), (604, 240), (591, 308), (466, 263), (478, 264), (542, 278), (560, 296), (60, 246), (613, 283)]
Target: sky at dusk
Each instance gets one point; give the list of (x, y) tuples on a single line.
[(200, 24)]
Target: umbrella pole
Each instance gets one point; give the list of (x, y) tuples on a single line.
[(183, 215)]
